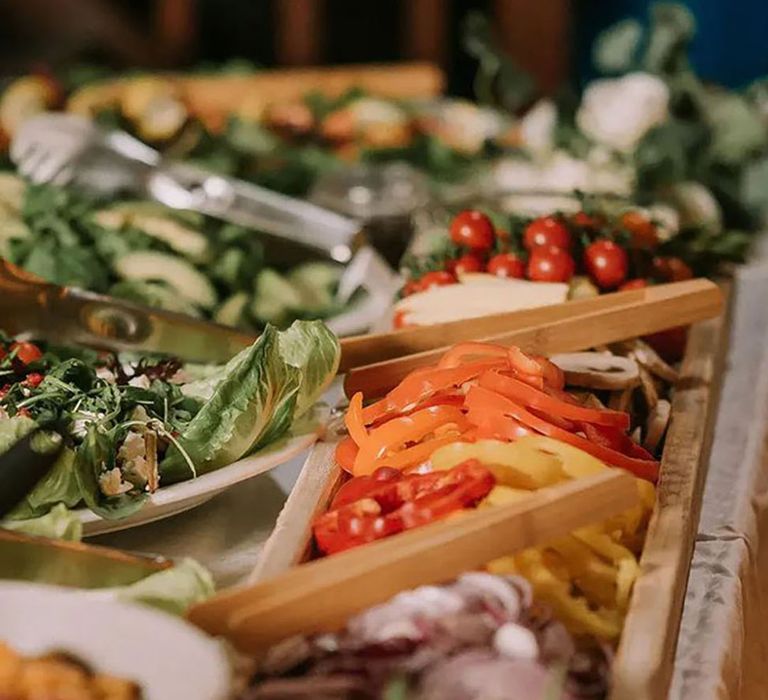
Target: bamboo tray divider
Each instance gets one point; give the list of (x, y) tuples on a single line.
[(642, 668)]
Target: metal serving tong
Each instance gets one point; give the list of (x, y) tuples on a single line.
[(66, 149)]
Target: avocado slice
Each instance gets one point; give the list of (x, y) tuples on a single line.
[(153, 294), (173, 233), (175, 272), (275, 297), (316, 283), (230, 313)]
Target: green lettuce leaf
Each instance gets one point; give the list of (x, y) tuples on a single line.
[(172, 590), (251, 406), (59, 523), (58, 486), (314, 350), (95, 455)]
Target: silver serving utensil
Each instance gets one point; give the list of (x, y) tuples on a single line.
[(35, 308), (66, 149)]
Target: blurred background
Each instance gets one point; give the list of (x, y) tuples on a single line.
[(549, 39)]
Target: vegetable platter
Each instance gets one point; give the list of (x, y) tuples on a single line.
[(514, 395), (147, 436)]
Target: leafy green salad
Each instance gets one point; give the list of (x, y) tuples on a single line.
[(148, 254), (133, 424)]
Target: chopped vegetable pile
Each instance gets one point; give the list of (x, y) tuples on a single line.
[(145, 253), (134, 424), (477, 638), (589, 251)]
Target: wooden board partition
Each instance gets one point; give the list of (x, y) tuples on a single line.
[(643, 666)]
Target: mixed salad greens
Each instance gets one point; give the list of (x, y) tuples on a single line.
[(145, 253), (135, 424)]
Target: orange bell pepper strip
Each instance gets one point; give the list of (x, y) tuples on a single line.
[(346, 453), (481, 400), (424, 383), (558, 407), (396, 433), (354, 419)]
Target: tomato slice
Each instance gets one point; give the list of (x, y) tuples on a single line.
[(557, 407), (483, 401)]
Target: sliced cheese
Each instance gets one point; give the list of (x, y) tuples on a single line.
[(477, 297)]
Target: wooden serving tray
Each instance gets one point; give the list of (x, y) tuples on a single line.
[(643, 666)]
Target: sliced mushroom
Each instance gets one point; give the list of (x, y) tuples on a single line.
[(656, 426), (646, 356), (650, 392), (591, 401), (650, 359), (621, 400), (594, 370)]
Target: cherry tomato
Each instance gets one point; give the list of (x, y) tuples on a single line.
[(670, 344), (399, 320), (26, 352), (506, 265), (466, 263), (472, 229), (550, 264), (547, 231), (439, 278), (411, 287), (34, 379), (607, 263), (633, 284), (672, 269), (584, 220), (643, 232)]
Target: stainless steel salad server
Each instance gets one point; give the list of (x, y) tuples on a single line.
[(32, 307), (68, 149)]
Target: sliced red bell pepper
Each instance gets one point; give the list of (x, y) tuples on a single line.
[(481, 400), (400, 503), (423, 383), (552, 405)]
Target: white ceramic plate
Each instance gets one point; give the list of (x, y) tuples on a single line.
[(177, 498), (167, 657)]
